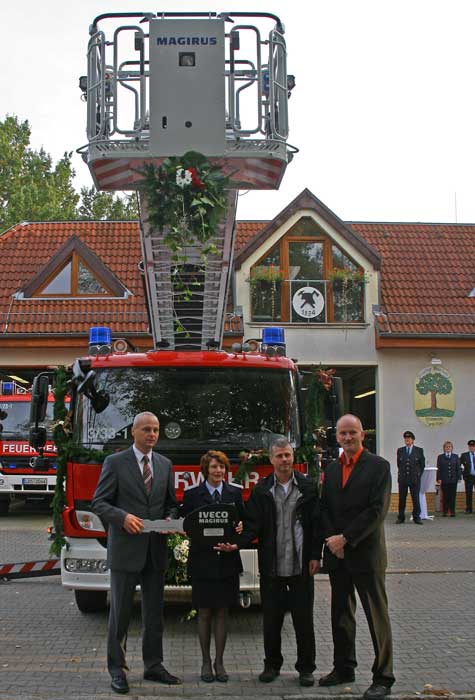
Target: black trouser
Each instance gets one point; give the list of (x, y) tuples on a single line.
[(449, 492), (293, 593), (123, 586), (469, 484), (415, 494), (372, 594)]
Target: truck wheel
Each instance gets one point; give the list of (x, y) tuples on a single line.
[(4, 506), (91, 601)]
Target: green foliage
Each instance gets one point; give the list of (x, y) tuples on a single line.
[(31, 187), (67, 451), (186, 199), (434, 382), (105, 206)]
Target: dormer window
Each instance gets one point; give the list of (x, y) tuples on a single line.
[(73, 279), (307, 278), (74, 271)]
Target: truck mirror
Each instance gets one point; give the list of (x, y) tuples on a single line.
[(39, 398), (37, 437)]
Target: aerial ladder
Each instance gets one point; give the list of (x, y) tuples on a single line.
[(161, 85)]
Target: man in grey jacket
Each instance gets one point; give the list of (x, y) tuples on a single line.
[(134, 485)]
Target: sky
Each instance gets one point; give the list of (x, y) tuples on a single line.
[(383, 112)]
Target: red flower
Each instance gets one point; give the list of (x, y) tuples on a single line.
[(195, 180)]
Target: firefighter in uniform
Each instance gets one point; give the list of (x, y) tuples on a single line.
[(410, 465)]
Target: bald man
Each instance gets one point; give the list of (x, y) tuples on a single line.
[(355, 500), (134, 485)]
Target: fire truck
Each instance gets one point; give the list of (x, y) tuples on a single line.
[(24, 473), (159, 86)]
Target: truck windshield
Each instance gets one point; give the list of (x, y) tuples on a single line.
[(199, 408), (15, 418)]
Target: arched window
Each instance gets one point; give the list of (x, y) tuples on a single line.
[(307, 278)]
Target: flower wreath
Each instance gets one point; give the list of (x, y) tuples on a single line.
[(186, 199)]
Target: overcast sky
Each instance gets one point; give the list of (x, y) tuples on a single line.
[(383, 111)]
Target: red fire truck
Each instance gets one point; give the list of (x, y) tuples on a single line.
[(233, 402), (24, 474)]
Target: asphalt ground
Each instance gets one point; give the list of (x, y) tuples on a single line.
[(48, 649)]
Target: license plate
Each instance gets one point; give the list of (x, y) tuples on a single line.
[(34, 482)]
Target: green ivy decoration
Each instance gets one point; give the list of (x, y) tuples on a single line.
[(249, 460), (67, 451)]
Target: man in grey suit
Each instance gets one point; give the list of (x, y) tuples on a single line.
[(134, 485)]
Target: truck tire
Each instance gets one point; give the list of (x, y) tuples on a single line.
[(4, 506), (91, 601)]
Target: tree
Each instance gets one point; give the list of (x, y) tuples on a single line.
[(434, 383), (31, 187), (105, 206)]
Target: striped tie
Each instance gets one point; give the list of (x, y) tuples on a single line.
[(147, 474)]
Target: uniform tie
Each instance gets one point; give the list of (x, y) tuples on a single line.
[(216, 496), (147, 474)]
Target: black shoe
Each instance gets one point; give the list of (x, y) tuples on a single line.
[(468, 511), (453, 515), (221, 675), (162, 676), (376, 692), (417, 521), (306, 679), (206, 673), (119, 684), (268, 675), (399, 521), (336, 678)]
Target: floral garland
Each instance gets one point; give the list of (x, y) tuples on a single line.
[(186, 199), (250, 459), (265, 273)]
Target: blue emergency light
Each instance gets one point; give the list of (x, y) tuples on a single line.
[(100, 341), (273, 341), (100, 335), (7, 388), (273, 336)]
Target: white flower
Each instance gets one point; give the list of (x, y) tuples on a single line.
[(180, 552), (183, 177)]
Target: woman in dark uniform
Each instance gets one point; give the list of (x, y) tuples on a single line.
[(449, 472), (214, 573)]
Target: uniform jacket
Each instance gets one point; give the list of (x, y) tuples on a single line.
[(260, 521), (204, 562), (465, 461), (120, 491), (357, 511), (410, 467), (449, 470)]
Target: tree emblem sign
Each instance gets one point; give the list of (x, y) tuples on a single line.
[(308, 302), (434, 397)]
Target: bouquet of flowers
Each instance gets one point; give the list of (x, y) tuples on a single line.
[(178, 550)]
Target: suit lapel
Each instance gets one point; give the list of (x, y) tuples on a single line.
[(356, 470)]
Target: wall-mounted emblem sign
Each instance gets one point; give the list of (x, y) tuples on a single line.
[(308, 302), (434, 396)]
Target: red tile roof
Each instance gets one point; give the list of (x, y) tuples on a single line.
[(427, 273), (26, 248)]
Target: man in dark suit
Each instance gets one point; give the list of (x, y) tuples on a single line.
[(355, 500), (467, 460), (134, 485), (410, 465)]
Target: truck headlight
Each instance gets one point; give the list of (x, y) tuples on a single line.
[(92, 566), (89, 521)]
